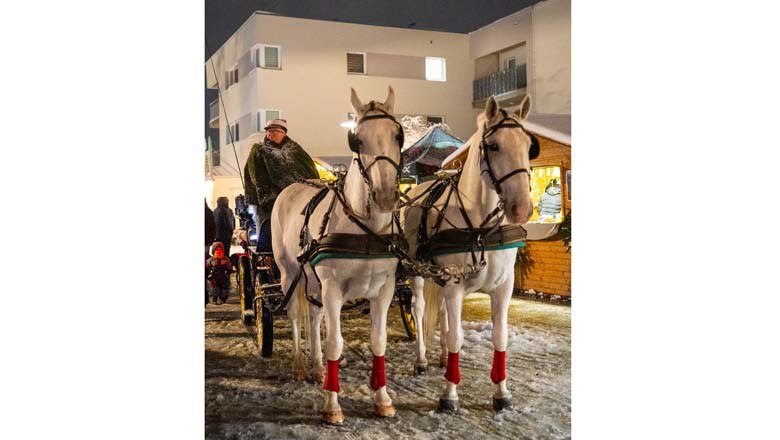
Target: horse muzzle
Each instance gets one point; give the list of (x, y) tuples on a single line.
[(387, 201), (519, 212)]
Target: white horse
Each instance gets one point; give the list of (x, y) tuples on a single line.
[(371, 193), (506, 147)]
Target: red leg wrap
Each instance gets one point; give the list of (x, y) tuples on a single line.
[(498, 373), (453, 371), (378, 373), (331, 382)]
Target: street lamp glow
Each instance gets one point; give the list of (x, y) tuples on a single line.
[(349, 124)]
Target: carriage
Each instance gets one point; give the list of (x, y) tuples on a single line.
[(261, 295)]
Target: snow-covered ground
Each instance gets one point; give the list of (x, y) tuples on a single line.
[(251, 397)]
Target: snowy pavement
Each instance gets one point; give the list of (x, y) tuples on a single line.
[(251, 397)]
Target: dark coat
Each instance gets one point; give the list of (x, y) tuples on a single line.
[(211, 226), (271, 168), (225, 223), (250, 191)]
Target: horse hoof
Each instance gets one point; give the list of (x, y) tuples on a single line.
[(421, 370), (448, 406), (333, 417), (443, 361), (385, 410), (501, 404)]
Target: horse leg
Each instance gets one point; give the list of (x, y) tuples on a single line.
[(379, 306), (299, 372), (443, 327), (499, 307), (418, 305), (318, 370), (331, 411), (453, 302)]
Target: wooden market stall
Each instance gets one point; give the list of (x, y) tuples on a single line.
[(544, 265)]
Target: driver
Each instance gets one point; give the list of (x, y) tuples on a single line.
[(271, 167)]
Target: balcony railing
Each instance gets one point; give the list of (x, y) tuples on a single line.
[(214, 110), (500, 82)]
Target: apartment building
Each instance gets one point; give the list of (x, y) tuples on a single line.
[(302, 70)]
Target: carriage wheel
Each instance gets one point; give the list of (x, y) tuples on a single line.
[(265, 329), (246, 288), (408, 319)]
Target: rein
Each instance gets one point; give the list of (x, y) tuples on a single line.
[(396, 244)]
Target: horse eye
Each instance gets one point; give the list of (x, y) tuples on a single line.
[(493, 147)]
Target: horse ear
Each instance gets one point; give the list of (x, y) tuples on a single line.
[(491, 108), (523, 109), (390, 101), (356, 104)]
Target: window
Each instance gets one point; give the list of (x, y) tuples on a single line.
[(231, 134), (435, 119), (231, 77), (264, 115), (510, 63), (435, 69), (267, 57), (356, 63), (546, 194)]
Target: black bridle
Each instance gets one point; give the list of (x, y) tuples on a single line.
[(355, 143), (533, 152)]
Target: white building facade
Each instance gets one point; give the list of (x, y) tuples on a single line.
[(302, 70)]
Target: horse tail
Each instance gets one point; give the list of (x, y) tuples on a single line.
[(303, 311), (433, 298)]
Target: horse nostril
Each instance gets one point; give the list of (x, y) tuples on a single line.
[(516, 210)]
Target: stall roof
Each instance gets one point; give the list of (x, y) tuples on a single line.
[(432, 148), (551, 126)]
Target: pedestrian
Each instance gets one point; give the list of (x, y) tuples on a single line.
[(219, 268), (272, 166), (211, 233), (225, 222)]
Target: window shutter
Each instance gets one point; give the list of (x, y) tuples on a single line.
[(258, 122), (236, 134), (257, 57), (355, 63), (271, 114), (271, 57)]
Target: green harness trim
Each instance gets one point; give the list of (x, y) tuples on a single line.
[(339, 255), (497, 247)]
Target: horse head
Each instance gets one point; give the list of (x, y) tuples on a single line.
[(506, 151), (376, 145)]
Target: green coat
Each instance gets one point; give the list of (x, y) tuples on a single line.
[(250, 192), (270, 169)]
